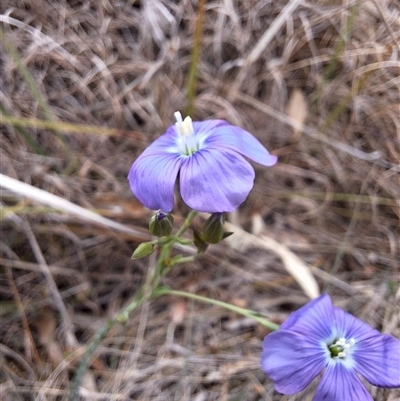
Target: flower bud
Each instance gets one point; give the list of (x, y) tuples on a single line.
[(199, 242), (144, 249), (161, 224), (123, 317), (213, 228)]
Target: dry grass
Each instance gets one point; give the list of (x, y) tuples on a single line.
[(333, 199)]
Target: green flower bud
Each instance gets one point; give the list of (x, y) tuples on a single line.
[(144, 249), (199, 242), (123, 318), (213, 228), (161, 224)]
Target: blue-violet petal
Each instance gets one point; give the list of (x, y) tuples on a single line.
[(215, 181), (378, 359), (314, 320), (340, 384), (291, 360), (152, 179), (239, 140)]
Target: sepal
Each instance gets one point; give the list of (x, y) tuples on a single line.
[(213, 231), (161, 224), (199, 242)]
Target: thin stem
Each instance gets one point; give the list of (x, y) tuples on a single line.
[(80, 372), (187, 223), (71, 127), (148, 290), (28, 139), (163, 263), (336, 54), (192, 76), (185, 260), (29, 80), (245, 312), (141, 296)]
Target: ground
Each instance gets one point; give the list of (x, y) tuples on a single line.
[(86, 85)]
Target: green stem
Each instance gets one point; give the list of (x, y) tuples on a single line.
[(29, 140), (148, 290), (98, 338), (192, 75), (29, 80), (245, 312), (336, 54), (185, 260), (163, 265), (187, 223)]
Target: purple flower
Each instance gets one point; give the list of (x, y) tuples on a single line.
[(208, 156), (322, 338)]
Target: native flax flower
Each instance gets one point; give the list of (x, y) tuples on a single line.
[(322, 338), (214, 177)]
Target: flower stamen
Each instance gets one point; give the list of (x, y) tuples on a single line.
[(186, 141), (184, 127), (341, 347)]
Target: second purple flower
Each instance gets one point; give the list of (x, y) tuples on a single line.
[(321, 338), (208, 156)]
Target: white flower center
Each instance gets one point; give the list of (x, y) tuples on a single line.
[(341, 347), (186, 141)]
